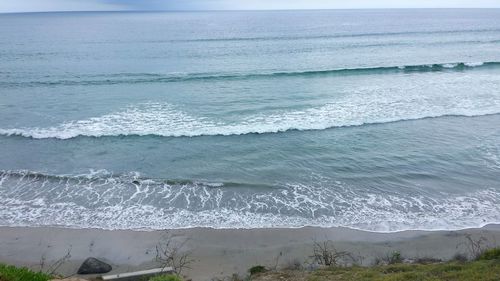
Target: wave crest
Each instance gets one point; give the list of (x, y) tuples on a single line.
[(405, 98), (140, 78), (165, 120)]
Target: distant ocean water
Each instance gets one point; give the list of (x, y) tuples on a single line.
[(381, 120)]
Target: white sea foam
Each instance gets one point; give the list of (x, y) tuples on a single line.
[(128, 202), (406, 98), (474, 64)]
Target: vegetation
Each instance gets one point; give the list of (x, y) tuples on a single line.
[(257, 269), (170, 253), (482, 270), (395, 258), (12, 273), (168, 277), (491, 254), (326, 254), (484, 266)]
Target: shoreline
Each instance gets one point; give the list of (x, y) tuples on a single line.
[(484, 225), (222, 252)]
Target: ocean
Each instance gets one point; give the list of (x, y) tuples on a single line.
[(381, 120)]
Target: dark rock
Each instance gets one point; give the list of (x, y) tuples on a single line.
[(94, 266)]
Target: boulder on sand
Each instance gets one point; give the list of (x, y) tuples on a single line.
[(94, 266)]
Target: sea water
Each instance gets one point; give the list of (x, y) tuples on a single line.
[(380, 120)]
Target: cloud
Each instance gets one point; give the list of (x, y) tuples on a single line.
[(352, 4), (58, 5), (106, 5)]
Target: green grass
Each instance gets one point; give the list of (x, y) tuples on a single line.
[(482, 270), (12, 273), (491, 254)]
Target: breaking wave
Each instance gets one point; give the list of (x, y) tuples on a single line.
[(359, 108), (103, 200)]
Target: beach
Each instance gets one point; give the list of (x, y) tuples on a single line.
[(248, 138), (223, 252)]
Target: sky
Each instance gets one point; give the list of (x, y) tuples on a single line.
[(7, 6)]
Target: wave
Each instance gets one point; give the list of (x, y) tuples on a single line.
[(298, 37), (373, 104), (140, 78), (65, 132), (129, 201), (327, 36)]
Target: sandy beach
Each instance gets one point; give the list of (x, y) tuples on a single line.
[(222, 252), (289, 140)]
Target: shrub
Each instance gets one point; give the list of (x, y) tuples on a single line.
[(475, 246), (395, 258), (491, 254), (257, 269), (460, 257), (326, 254), (12, 273), (294, 264), (168, 277), (170, 253)]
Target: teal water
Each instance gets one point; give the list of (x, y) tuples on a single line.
[(380, 120)]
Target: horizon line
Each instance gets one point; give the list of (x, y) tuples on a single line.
[(248, 10)]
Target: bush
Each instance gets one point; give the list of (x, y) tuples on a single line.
[(168, 277), (325, 253), (460, 257), (491, 254), (294, 264), (12, 273), (395, 258), (257, 269)]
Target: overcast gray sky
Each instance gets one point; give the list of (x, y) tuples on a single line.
[(106, 5)]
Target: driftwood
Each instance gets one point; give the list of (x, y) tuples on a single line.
[(134, 275)]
